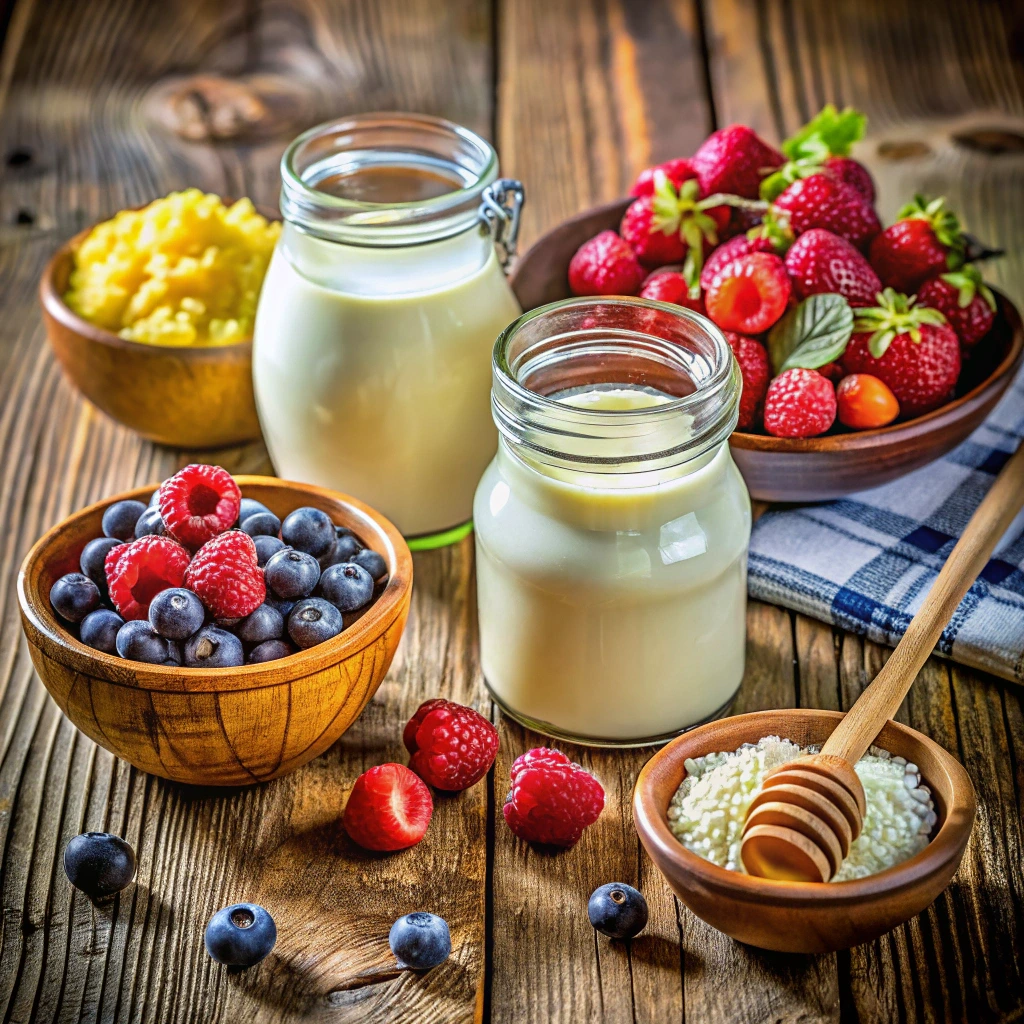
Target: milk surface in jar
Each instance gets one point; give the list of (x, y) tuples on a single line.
[(612, 526), (371, 354)]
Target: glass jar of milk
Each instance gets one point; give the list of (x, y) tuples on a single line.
[(612, 526), (371, 354)]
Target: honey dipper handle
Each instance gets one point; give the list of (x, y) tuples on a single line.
[(881, 700)]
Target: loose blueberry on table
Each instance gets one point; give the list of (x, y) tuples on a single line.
[(420, 940), (617, 910), (204, 578), (98, 863), (241, 935)]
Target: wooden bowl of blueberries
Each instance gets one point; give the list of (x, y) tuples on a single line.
[(217, 631)]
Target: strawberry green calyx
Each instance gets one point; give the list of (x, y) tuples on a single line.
[(775, 228), (944, 223), (831, 133), (682, 211), (968, 283), (894, 315)]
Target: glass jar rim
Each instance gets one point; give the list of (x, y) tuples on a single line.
[(551, 428), (361, 222)]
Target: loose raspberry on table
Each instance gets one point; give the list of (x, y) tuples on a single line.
[(199, 502), (452, 746), (388, 809), (138, 571), (799, 403), (226, 575), (552, 800)]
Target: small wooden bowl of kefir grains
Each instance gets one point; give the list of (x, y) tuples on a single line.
[(691, 802)]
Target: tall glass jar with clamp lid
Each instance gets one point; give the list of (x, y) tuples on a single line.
[(371, 355)]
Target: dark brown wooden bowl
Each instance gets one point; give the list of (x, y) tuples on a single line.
[(184, 396), (817, 468), (227, 726), (804, 917)]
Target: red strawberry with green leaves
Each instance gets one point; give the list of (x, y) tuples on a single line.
[(925, 240), (822, 201), (964, 300), (910, 348), (674, 226), (823, 145), (819, 262), (605, 265), (677, 171), (734, 160)]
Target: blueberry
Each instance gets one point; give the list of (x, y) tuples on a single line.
[(270, 650), (120, 518), (309, 529), (176, 613), (240, 935), (347, 586), (137, 641), (313, 621), (618, 910), (99, 864), (99, 630), (154, 499), (266, 547), (262, 524), (265, 623), (173, 659), (283, 606), (344, 548), (250, 507), (212, 647), (75, 595), (292, 574), (420, 940), (373, 563), (93, 559), (150, 524)]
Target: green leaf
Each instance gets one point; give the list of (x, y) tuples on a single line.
[(813, 334), (836, 130)]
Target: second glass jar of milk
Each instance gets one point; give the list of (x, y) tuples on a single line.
[(371, 354), (612, 526)]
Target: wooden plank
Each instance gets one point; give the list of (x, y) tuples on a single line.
[(77, 142)]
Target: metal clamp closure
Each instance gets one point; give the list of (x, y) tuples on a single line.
[(500, 209)]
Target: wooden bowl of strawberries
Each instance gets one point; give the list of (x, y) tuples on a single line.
[(865, 352)]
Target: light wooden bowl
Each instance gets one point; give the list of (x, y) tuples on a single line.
[(818, 468), (803, 917), (184, 396), (229, 726)]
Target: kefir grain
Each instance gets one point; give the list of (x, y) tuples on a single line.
[(709, 809)]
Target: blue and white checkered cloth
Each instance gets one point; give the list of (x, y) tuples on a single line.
[(865, 562)]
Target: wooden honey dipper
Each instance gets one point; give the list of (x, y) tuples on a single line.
[(800, 826)]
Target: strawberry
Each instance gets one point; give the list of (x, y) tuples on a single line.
[(799, 403), (864, 402), (925, 240), (964, 300), (677, 171), (642, 228), (749, 294), (819, 262), (908, 347), (821, 201), (734, 160), (605, 265), (833, 371), (768, 236), (753, 363), (853, 173), (671, 286)]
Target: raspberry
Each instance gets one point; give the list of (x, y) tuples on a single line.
[(452, 746), (551, 800), (199, 502), (799, 403), (749, 294), (138, 571), (605, 265), (227, 577), (389, 808), (753, 360)]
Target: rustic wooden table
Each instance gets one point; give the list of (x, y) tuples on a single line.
[(578, 96)]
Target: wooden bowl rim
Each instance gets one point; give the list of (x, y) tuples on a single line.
[(880, 436), (54, 305), (944, 849), (55, 642)]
